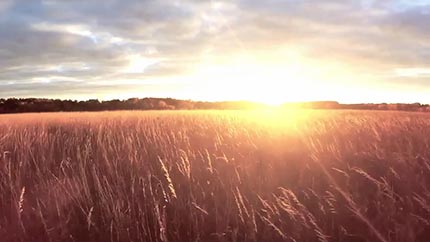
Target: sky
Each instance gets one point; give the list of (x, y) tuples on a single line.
[(271, 51)]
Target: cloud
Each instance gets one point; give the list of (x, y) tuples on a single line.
[(148, 41), (4, 5), (413, 72)]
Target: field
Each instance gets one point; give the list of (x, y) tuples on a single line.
[(215, 176)]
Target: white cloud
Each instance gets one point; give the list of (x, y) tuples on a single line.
[(77, 29), (412, 72), (138, 63), (98, 37)]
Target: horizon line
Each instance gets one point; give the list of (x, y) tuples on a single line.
[(211, 101)]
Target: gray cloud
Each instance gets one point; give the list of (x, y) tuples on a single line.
[(44, 42)]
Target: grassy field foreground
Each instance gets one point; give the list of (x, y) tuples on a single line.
[(215, 176)]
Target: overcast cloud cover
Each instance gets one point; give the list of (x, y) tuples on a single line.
[(118, 49)]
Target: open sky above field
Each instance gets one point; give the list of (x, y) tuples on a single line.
[(271, 51)]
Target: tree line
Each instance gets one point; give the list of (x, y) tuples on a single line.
[(23, 105)]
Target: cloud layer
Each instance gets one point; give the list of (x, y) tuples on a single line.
[(119, 49)]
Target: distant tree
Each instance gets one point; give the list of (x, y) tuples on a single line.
[(11, 105), (14, 105), (181, 104), (163, 105)]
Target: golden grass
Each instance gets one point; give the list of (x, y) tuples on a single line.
[(215, 176)]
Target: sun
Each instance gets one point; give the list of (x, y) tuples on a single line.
[(259, 81)]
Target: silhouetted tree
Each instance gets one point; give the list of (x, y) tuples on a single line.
[(14, 105)]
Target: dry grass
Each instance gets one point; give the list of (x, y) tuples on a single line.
[(215, 176)]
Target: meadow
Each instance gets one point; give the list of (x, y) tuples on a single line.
[(272, 175)]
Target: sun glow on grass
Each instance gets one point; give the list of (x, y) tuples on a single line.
[(279, 118), (87, 164)]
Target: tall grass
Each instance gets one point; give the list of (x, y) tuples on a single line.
[(215, 176)]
